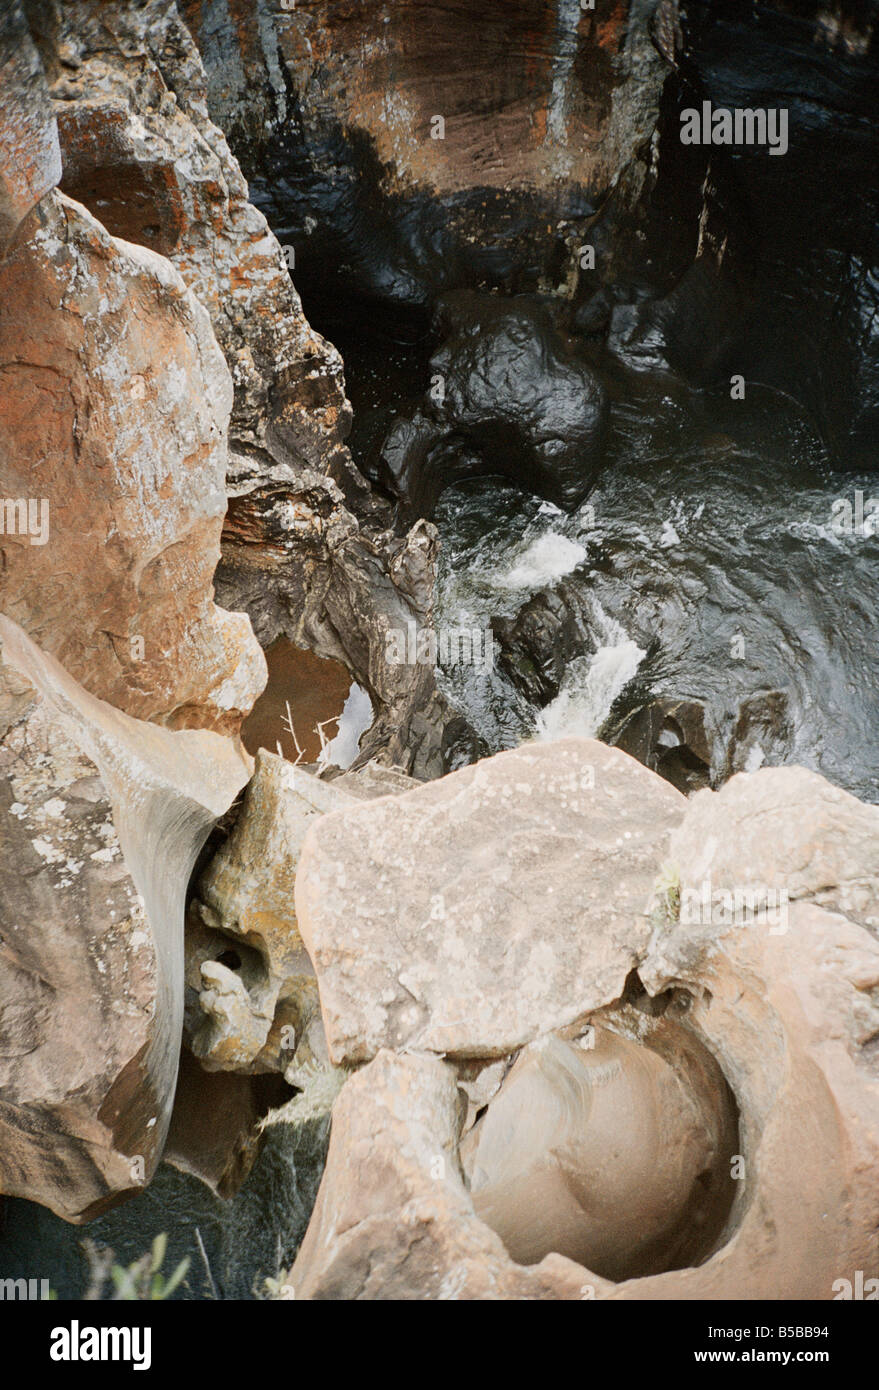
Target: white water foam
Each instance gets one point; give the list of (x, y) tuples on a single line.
[(545, 560), (591, 684)]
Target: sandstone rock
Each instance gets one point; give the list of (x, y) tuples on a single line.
[(604, 1151), (251, 961), (418, 911), (306, 542), (141, 152), (752, 832), (784, 995), (391, 168), (404, 1227), (251, 989), (103, 819), (783, 1007), (30, 159), (507, 398), (373, 780), (113, 430), (785, 999)]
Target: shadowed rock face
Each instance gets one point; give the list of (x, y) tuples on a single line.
[(562, 129), (507, 397), (541, 107), (30, 160), (91, 988), (780, 279)]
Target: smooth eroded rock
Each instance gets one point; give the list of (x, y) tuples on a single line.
[(103, 818), (113, 420)]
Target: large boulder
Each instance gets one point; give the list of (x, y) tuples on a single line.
[(404, 1227), (252, 997), (507, 397), (103, 818), (743, 1033), (113, 423), (418, 910)]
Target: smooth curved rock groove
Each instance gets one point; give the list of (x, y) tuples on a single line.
[(604, 1152), (167, 790)]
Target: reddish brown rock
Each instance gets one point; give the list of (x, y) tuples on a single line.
[(113, 420), (30, 159)]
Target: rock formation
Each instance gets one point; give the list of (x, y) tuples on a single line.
[(758, 960), (392, 171), (507, 398), (587, 1028), (103, 818), (144, 408), (306, 543)]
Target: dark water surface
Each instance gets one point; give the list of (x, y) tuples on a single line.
[(709, 553)]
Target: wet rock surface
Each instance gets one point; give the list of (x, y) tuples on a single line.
[(350, 161), (507, 397)]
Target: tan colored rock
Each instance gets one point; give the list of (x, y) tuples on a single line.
[(393, 1219), (30, 158), (784, 1001), (602, 1150), (753, 839), (244, 899), (113, 423), (786, 997), (102, 819), (419, 911)]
